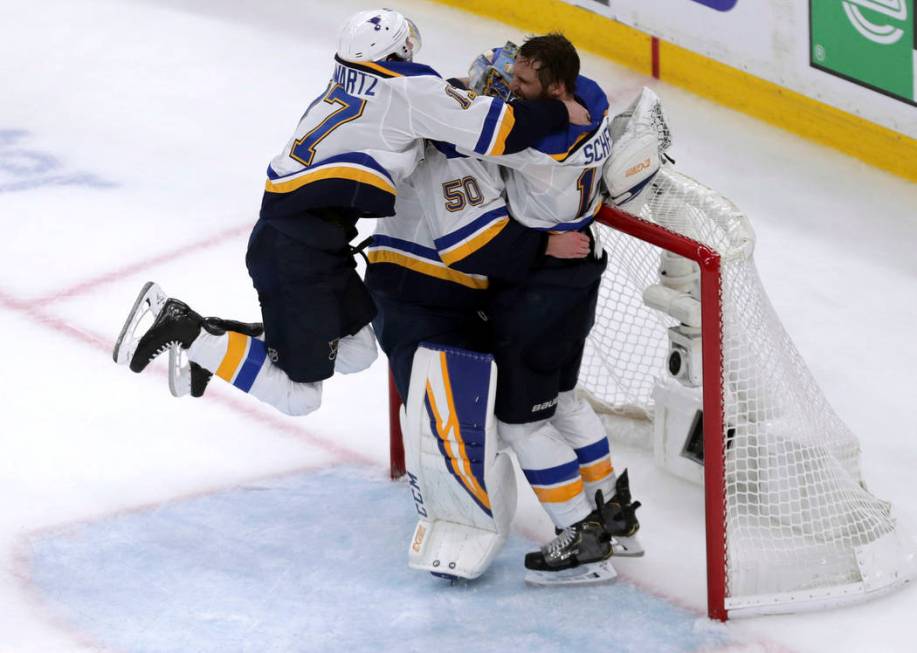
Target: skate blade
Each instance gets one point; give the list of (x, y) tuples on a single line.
[(149, 303), (588, 574), (179, 372), (627, 547)]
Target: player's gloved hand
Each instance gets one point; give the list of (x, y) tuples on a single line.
[(570, 244), (577, 113)]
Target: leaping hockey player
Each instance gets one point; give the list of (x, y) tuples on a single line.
[(353, 147)]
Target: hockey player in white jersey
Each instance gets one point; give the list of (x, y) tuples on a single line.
[(540, 326), (347, 157)]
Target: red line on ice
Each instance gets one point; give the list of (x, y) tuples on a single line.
[(116, 275), (243, 407)]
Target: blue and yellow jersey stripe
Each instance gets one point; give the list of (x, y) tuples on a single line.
[(242, 361), (461, 243), (595, 461), (498, 124), (357, 167), (557, 484), (562, 156), (420, 259)]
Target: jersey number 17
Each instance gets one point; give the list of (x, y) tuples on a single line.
[(350, 108)]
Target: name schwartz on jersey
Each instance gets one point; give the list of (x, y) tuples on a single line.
[(354, 82)]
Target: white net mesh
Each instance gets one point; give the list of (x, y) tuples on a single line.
[(797, 511)]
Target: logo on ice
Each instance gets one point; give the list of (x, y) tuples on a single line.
[(881, 32)]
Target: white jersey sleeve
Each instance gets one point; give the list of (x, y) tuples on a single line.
[(555, 185), (363, 136)]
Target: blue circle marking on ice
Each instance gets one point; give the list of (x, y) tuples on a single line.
[(318, 562)]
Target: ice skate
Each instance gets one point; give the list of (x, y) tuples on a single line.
[(187, 377), (145, 310), (173, 323), (578, 555), (619, 514)]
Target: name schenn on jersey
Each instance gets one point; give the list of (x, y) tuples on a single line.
[(598, 148)]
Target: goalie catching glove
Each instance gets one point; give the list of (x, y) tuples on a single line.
[(641, 137)]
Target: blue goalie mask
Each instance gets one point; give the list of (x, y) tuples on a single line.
[(491, 73)]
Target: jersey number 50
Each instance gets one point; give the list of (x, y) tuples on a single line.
[(461, 192), (350, 109)]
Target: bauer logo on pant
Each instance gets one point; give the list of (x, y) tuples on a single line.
[(545, 405)]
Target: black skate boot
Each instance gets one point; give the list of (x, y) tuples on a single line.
[(619, 514), (187, 376), (578, 555), (176, 324), (142, 314)]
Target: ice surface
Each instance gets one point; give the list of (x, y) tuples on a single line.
[(133, 142), (305, 563)]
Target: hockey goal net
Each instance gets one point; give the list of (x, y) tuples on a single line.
[(790, 524), (688, 354)]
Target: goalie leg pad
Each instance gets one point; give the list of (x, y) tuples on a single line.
[(464, 490)]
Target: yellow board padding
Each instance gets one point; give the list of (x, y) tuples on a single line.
[(865, 140), (877, 145), (587, 30)]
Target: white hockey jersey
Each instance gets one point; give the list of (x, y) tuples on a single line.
[(554, 185), (452, 226), (361, 138)]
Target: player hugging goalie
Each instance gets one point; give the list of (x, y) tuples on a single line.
[(496, 255), (488, 187)]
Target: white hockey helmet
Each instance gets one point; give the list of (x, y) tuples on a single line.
[(375, 34)]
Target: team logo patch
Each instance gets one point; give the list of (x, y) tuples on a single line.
[(333, 345), (272, 354), (377, 21)]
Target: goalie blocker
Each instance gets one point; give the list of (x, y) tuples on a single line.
[(463, 489)]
